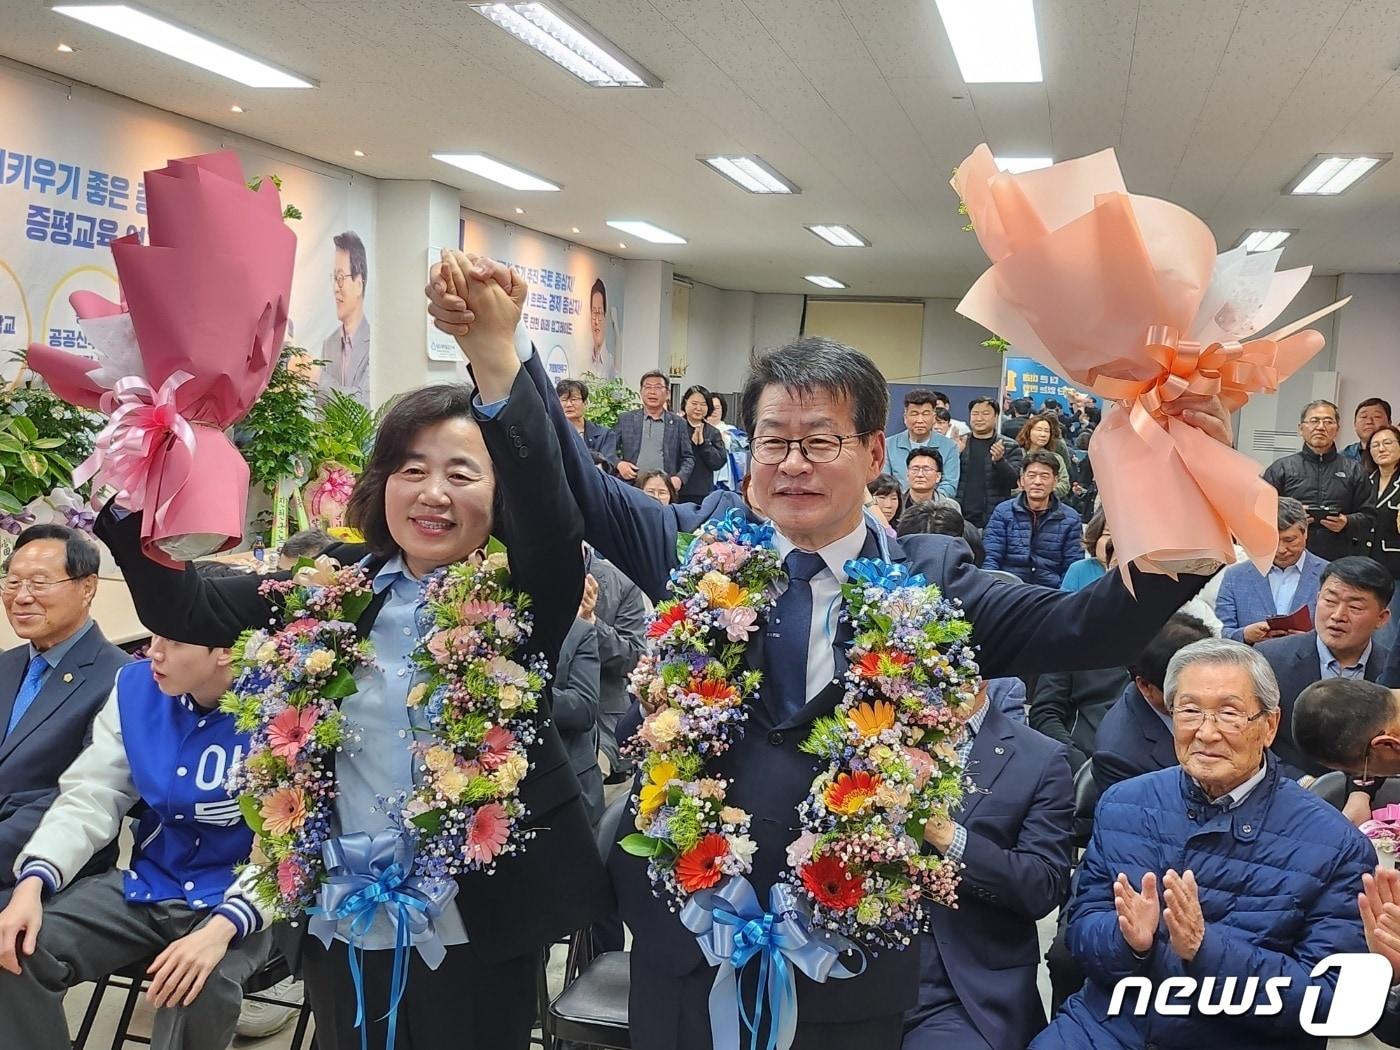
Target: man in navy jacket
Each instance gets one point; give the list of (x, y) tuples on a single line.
[(1013, 834), (1034, 535), (810, 389)]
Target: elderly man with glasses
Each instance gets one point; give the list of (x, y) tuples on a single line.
[(1219, 868), (1334, 489), (51, 685)]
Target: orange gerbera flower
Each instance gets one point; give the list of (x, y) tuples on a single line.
[(713, 691), (830, 884), (698, 868), (872, 719), (666, 618), (850, 792), (283, 811), (883, 664), (721, 591)]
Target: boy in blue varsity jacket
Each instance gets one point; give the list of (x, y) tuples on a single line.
[(161, 740)]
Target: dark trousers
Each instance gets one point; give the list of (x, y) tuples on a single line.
[(1066, 975), (464, 1004), (673, 1013)]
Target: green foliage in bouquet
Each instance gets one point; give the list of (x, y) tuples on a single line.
[(289, 211), (280, 430), (608, 399), (42, 438)]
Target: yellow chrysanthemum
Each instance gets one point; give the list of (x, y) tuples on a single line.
[(872, 719), (720, 591), (654, 793)]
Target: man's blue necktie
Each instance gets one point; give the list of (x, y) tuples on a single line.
[(789, 629), (28, 690)]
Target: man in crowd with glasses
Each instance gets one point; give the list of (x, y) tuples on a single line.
[(1220, 868), (573, 398), (1333, 487), (653, 437), (52, 684)]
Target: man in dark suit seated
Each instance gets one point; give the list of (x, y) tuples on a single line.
[(51, 686), (1069, 705), (1135, 737), (1013, 834), (653, 437), (1352, 605), (815, 411)]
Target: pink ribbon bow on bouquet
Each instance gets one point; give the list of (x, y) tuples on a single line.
[(1126, 296), (188, 351)]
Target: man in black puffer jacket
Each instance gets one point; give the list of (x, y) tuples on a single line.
[(1335, 489)]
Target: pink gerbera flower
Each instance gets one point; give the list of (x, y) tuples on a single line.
[(289, 877), (496, 745), (288, 733), (488, 834), (305, 625)]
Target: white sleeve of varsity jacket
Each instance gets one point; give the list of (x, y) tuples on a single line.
[(94, 794)]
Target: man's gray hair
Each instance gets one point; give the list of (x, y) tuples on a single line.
[(1230, 653), (1291, 512)]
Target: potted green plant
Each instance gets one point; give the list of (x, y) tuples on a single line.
[(608, 399)]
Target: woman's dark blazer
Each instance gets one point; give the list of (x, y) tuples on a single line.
[(557, 885)]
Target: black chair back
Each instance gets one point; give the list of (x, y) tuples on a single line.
[(1086, 797)]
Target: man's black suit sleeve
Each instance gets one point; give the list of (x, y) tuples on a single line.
[(1052, 711), (1110, 768), (1023, 630)]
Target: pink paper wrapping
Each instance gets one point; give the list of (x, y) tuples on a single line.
[(207, 302), (1109, 288)]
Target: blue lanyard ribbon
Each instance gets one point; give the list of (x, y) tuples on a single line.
[(733, 931), (364, 876)]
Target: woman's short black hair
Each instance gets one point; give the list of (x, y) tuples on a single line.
[(412, 412), (697, 389), (571, 386), (888, 485), (713, 399)]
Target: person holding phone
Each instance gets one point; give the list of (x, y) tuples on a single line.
[(1334, 489)]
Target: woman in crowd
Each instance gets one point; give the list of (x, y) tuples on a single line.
[(889, 499), (706, 442), (1098, 555), (1043, 432), (1383, 446), (736, 444), (657, 485), (446, 474)]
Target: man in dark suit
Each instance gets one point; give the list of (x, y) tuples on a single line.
[(52, 686), (1352, 604), (653, 437), (1135, 737), (573, 398), (816, 411), (1068, 706), (1013, 834)]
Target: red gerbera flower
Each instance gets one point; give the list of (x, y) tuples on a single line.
[(882, 664), (666, 618), (713, 691), (830, 884), (698, 868)]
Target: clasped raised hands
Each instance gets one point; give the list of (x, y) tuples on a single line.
[(478, 301)]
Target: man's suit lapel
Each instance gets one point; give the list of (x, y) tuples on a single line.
[(992, 749), (1161, 746), (61, 683)]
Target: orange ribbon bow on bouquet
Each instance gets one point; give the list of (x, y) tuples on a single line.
[(1126, 296)]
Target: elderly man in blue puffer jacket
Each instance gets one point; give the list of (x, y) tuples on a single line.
[(1034, 536), (1218, 868)]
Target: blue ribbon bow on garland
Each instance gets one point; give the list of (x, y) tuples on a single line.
[(365, 875), (733, 930), (888, 576)]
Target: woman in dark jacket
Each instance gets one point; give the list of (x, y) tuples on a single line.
[(446, 473), (706, 442), (1383, 447)]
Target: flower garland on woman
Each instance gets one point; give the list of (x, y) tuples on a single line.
[(889, 746), (477, 704)]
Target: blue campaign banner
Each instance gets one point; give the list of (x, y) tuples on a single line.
[(1028, 378)]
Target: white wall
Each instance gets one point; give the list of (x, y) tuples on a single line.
[(953, 354), (1368, 341), (725, 326), (646, 319)]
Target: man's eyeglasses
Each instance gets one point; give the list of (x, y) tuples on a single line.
[(12, 585), (1320, 421), (922, 470), (815, 448), (1226, 721), (340, 277)]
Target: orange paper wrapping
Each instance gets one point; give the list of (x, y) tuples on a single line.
[(1108, 288)]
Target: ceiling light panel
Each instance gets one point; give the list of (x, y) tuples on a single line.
[(1265, 240), (822, 281), (1327, 175), (841, 236), (568, 41), (185, 44), (646, 231), (750, 173), (497, 171), (994, 41), (1016, 165)]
